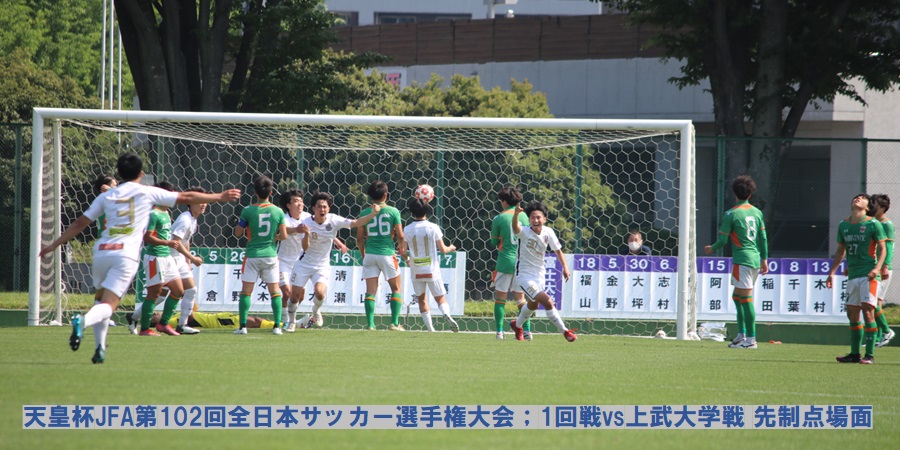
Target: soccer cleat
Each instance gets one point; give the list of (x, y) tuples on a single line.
[(99, 356), (292, 327), (747, 344), (148, 332), (868, 359), (371, 328), (393, 327), (737, 345), (570, 335), (305, 322), (277, 331), (500, 336), (132, 324), (453, 325), (885, 339), (737, 340), (527, 335), (849, 358), (240, 331), (517, 330), (319, 320), (167, 329), (187, 330), (77, 331)]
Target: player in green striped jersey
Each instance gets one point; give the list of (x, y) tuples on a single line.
[(861, 238), (881, 203), (263, 223), (743, 225), (504, 277), (376, 243)]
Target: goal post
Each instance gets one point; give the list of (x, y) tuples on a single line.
[(599, 178)]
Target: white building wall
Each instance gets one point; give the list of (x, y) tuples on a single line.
[(477, 9)]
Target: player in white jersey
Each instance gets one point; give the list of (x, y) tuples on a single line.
[(183, 230), (530, 270), (315, 263), (289, 251), (424, 239), (117, 252)]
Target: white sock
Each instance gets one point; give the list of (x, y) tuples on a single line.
[(187, 305), (284, 314), (524, 315), (553, 315), (292, 312), (426, 317), (317, 303), (99, 312), (100, 331), (136, 316), (445, 309)]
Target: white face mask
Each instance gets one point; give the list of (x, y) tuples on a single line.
[(634, 246)]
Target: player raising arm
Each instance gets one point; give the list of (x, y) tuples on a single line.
[(530, 270), (116, 253)]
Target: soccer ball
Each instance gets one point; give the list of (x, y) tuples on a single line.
[(424, 192)]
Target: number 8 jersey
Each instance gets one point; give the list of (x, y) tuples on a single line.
[(743, 226)]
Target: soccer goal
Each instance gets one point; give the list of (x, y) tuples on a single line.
[(600, 179)]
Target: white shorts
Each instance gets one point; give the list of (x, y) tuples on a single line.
[(374, 265), (284, 272), (883, 287), (113, 272), (505, 282), (743, 277), (185, 270), (255, 269), (435, 284), (301, 275), (531, 286), (160, 269), (861, 290)]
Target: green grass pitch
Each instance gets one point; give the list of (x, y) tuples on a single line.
[(321, 367)]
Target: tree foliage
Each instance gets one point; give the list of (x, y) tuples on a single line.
[(767, 60), (61, 36), (225, 55)]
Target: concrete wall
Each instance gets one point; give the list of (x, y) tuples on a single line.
[(476, 8)]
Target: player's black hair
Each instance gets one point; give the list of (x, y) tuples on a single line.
[(167, 186), (510, 195), (101, 180), (316, 196), (196, 189), (536, 206), (129, 166), (419, 208), (263, 186), (377, 190), (743, 187), (881, 200), (285, 198)]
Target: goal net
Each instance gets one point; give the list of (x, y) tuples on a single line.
[(600, 179)]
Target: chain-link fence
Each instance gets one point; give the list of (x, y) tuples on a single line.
[(805, 186), (15, 174)]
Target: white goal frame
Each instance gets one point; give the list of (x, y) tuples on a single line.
[(44, 118)]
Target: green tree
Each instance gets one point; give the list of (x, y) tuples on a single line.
[(178, 51), (767, 60), (62, 36)]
